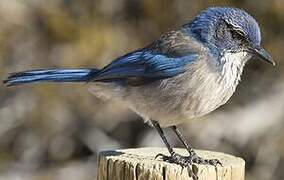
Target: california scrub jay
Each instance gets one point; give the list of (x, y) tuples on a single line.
[(184, 74)]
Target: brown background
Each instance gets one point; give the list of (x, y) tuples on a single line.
[(54, 131)]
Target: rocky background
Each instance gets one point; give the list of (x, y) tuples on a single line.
[(53, 131)]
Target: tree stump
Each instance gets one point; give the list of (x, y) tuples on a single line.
[(140, 164)]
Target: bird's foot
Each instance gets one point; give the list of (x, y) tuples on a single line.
[(184, 161), (188, 161), (176, 158), (199, 160)]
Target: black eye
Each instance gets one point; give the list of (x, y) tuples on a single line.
[(237, 35)]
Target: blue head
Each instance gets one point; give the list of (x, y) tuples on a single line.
[(228, 30)]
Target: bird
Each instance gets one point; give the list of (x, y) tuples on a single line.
[(184, 74)]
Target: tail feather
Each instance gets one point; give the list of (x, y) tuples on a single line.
[(49, 75)]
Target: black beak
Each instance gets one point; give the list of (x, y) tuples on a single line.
[(262, 54)]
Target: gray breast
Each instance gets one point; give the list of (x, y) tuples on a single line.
[(203, 88)]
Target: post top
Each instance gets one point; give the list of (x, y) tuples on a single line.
[(141, 162)]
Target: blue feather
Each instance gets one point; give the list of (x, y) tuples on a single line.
[(143, 63), (146, 64), (49, 75)]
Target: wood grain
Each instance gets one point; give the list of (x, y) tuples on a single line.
[(140, 164)]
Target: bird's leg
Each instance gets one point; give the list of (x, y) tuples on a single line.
[(184, 161), (193, 157), (162, 135), (174, 157), (184, 141)]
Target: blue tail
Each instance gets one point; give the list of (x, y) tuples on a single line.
[(50, 75)]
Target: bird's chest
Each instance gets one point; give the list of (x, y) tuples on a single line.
[(208, 88)]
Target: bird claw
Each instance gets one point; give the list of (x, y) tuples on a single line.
[(184, 161), (199, 160), (176, 158), (159, 155), (188, 161)]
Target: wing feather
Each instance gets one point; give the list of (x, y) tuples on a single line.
[(164, 58)]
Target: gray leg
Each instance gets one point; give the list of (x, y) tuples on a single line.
[(174, 157), (192, 155), (184, 141), (162, 135)]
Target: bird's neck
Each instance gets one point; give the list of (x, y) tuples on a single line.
[(231, 67)]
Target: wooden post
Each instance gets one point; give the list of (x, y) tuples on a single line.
[(140, 164)]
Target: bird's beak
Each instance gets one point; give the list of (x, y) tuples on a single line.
[(262, 54)]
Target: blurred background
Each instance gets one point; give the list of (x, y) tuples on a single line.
[(52, 131)]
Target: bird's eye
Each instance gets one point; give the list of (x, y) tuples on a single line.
[(237, 35)]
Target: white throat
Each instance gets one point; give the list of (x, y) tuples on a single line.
[(232, 67)]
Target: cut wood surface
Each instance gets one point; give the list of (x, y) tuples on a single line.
[(140, 164)]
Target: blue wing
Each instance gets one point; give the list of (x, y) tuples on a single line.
[(145, 63)]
